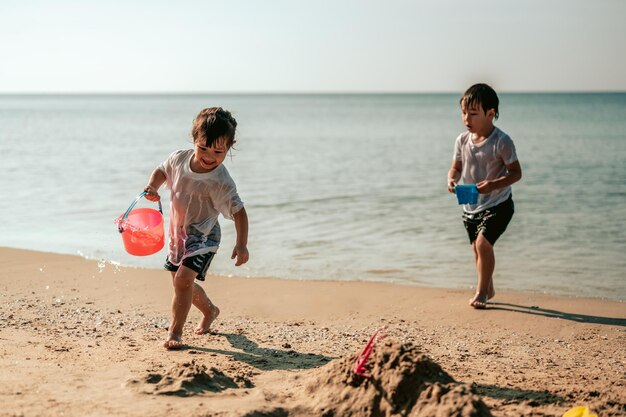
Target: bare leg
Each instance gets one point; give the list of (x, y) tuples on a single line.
[(208, 309), (181, 304), (491, 292), (485, 265)]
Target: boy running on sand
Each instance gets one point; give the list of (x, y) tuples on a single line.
[(201, 189), (484, 155)]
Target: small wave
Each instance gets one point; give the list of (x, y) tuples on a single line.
[(317, 200), (384, 271)]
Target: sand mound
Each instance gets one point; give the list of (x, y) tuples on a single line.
[(186, 379), (403, 382)]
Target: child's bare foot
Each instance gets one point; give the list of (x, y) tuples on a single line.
[(479, 301), (173, 342), (204, 326)]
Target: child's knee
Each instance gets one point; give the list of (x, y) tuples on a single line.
[(482, 244), (184, 278)]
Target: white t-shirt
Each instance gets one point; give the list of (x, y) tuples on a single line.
[(485, 161), (197, 199)]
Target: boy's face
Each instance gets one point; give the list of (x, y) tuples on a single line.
[(475, 119), (205, 158)]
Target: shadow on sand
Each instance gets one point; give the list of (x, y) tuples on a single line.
[(535, 398), (263, 358), (536, 311)]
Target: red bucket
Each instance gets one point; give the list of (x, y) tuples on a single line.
[(142, 229)]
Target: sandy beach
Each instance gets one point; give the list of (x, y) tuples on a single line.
[(83, 338)]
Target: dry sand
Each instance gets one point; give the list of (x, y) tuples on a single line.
[(83, 338)]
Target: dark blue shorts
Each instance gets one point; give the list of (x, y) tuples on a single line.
[(197, 263), (491, 222)]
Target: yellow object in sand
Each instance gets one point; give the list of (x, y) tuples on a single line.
[(579, 412)]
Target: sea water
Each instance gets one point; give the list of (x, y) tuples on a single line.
[(342, 187)]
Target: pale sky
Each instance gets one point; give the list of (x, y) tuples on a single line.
[(311, 46)]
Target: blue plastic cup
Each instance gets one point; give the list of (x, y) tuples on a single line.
[(466, 193)]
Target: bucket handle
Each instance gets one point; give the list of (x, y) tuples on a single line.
[(120, 228)]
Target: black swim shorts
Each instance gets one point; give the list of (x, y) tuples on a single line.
[(491, 222), (197, 263)]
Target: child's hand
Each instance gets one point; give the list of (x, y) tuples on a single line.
[(485, 187), (451, 185), (152, 193), (241, 253)]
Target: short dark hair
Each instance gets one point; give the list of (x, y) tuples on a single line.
[(214, 123), (481, 94)]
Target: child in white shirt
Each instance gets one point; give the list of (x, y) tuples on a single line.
[(484, 155), (201, 188)]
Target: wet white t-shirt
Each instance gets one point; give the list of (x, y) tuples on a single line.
[(485, 161), (197, 199)]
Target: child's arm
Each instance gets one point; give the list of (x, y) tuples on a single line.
[(241, 247), (156, 180), (513, 174), (454, 175)]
